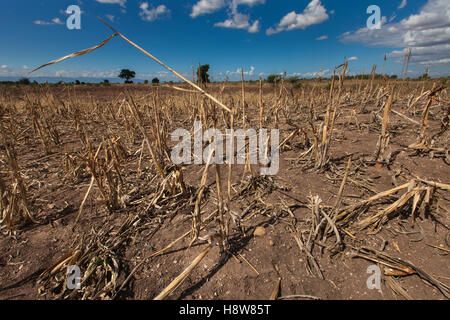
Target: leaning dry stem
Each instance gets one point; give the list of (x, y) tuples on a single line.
[(197, 217), (178, 280), (168, 68)]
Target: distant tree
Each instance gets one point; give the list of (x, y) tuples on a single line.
[(425, 75), (106, 81), (292, 80), (145, 81), (155, 81), (273, 78), (7, 82), (394, 76), (202, 73), (24, 81), (127, 75), (77, 82)]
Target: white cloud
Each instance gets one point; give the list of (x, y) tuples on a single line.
[(239, 20), (254, 28), (236, 20), (321, 73), (324, 37), (65, 13), (57, 21), (110, 17), (238, 72), (120, 2), (152, 14), (426, 33), (434, 62), (49, 23), (352, 59), (40, 22), (403, 4), (251, 72), (8, 72), (249, 3), (314, 13), (425, 55), (206, 6)]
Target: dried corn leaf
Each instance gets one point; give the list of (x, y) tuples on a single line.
[(395, 286), (75, 54), (390, 209), (403, 266)]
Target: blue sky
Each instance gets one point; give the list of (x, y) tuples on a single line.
[(302, 37)]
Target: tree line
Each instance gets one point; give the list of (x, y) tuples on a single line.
[(203, 78)]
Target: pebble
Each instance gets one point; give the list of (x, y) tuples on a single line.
[(260, 231)]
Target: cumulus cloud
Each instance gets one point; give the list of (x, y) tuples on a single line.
[(154, 13), (314, 13), (239, 21), (236, 19), (7, 71), (352, 59), (206, 7), (119, 2), (254, 28), (426, 33), (238, 72)]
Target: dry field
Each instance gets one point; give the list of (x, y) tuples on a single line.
[(86, 179)]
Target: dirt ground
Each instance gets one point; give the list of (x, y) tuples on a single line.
[(254, 260)]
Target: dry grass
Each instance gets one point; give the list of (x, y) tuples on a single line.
[(311, 120)]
